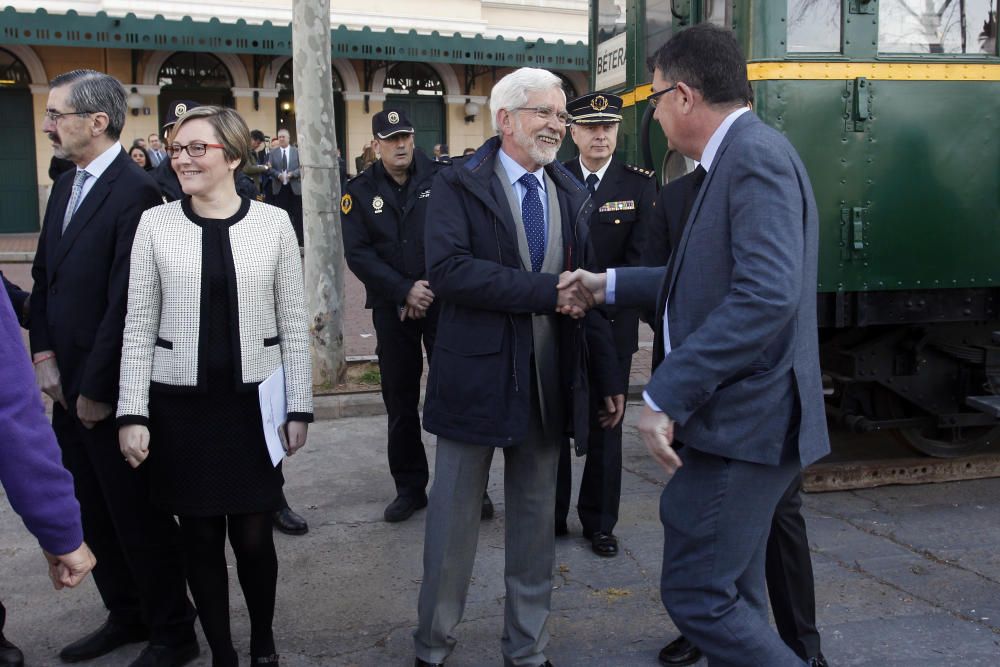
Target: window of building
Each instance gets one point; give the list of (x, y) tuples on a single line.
[(938, 26), (412, 79), (194, 70), (814, 26), (13, 73)]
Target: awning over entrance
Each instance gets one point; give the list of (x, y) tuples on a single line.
[(131, 32)]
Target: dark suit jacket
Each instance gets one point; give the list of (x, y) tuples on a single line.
[(743, 372), (293, 168), (166, 180), (617, 233), (81, 277)]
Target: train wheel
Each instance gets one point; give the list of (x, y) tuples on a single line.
[(932, 440)]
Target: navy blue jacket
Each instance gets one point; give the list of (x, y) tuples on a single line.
[(478, 389)]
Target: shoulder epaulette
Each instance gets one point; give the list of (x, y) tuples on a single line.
[(648, 173)]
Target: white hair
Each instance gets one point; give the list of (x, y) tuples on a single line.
[(513, 90)]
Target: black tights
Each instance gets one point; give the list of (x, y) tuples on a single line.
[(256, 565)]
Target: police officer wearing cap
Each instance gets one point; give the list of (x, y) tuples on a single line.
[(383, 213), (624, 196)]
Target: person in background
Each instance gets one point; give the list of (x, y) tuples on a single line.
[(367, 158), (441, 153), (202, 332), (384, 212), (623, 198), (141, 158), (286, 180), (468, 151), (170, 186), (155, 149)]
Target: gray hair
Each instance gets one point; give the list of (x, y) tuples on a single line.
[(513, 90), (94, 92)]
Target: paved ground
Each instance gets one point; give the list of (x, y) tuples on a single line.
[(904, 575)]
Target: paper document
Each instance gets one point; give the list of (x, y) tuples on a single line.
[(274, 413)]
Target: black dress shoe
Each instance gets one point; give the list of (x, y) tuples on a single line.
[(104, 640), (403, 507), (561, 528), (604, 544), (487, 511), (818, 661), (423, 663), (167, 655), (290, 523), (679, 652), (10, 655)]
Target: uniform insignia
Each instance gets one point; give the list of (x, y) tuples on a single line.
[(378, 203), (393, 117), (346, 203), (425, 194), (648, 173), (180, 109), (628, 205), (599, 103)]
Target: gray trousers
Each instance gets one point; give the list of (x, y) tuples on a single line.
[(452, 533), (716, 516)]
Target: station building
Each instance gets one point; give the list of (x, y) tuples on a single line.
[(435, 60)]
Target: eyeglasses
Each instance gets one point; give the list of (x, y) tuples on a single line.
[(54, 116), (194, 149), (546, 113), (654, 99)]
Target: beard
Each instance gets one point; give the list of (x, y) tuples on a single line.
[(542, 155)]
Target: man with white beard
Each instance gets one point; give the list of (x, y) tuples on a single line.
[(508, 371)]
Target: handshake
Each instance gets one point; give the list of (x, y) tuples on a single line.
[(579, 291)]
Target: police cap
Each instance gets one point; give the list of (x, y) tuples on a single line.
[(176, 109), (595, 109), (389, 122)]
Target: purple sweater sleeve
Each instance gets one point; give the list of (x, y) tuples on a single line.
[(39, 488)]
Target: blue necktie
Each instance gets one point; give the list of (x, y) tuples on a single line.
[(592, 184), (534, 220)]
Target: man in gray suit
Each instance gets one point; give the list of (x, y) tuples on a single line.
[(286, 180), (738, 380), (507, 370)]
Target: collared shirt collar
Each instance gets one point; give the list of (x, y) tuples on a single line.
[(515, 171), (100, 163), (599, 173), (712, 147)]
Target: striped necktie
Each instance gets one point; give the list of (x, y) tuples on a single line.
[(74, 198)]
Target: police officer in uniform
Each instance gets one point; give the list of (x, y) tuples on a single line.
[(384, 209), (624, 196)]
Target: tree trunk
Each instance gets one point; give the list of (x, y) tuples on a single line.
[(324, 246)]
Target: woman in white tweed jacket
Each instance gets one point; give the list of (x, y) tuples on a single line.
[(215, 306)]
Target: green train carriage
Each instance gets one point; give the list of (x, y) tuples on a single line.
[(894, 106)]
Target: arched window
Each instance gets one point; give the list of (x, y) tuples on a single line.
[(200, 77), (194, 70), (13, 73), (412, 79), (286, 102)]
